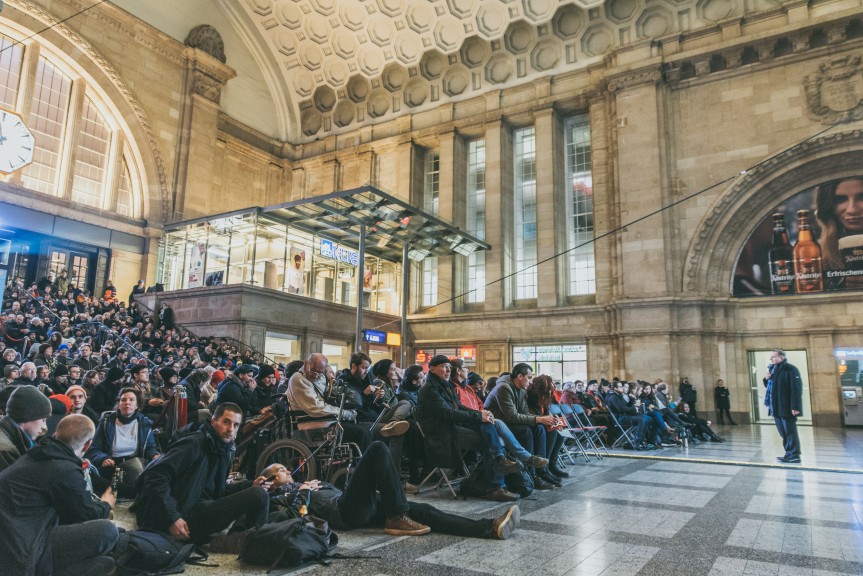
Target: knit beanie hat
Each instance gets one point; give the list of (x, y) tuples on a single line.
[(9, 369), (114, 374), (216, 378), (382, 368), (167, 373), (266, 370), (61, 370), (27, 404), (75, 387)]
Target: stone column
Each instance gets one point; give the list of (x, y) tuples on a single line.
[(205, 76), (549, 209), (498, 214)]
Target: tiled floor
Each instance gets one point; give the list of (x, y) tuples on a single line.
[(623, 516)]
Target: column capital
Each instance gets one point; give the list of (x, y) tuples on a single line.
[(208, 75)]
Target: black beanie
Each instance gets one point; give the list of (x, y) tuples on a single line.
[(27, 404)]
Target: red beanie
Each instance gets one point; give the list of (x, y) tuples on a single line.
[(64, 399), (216, 377)]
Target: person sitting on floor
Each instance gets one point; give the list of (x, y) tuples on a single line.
[(701, 428), (44, 488), (185, 492), (374, 496), (124, 439), (27, 412)]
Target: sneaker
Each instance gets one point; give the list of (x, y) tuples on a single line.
[(397, 428), (501, 495), (411, 488), (536, 462), (792, 460), (504, 466), (507, 523), (232, 543), (404, 526), (667, 444)]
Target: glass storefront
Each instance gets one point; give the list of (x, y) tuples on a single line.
[(563, 362), (257, 250), (466, 353)]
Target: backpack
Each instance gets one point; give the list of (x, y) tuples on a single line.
[(141, 552), (289, 543), (474, 484), (520, 483)]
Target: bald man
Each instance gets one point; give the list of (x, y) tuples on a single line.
[(306, 392)]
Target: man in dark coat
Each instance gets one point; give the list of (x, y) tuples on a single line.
[(105, 393), (786, 403), (448, 427), (45, 488), (185, 492), (26, 413), (238, 388)]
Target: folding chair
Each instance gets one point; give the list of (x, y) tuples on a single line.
[(594, 432), (576, 436), (627, 434), (444, 479)]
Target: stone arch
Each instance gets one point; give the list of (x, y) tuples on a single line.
[(104, 79), (713, 251)]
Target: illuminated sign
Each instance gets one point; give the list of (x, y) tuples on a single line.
[(375, 337), (330, 249), (394, 339)]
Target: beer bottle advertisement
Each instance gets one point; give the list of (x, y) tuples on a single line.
[(807, 256), (781, 258), (811, 243)]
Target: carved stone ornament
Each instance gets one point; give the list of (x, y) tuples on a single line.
[(207, 86), (208, 39), (835, 93)]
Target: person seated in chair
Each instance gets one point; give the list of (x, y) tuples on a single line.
[(623, 407), (508, 402), (374, 496), (307, 391), (185, 492), (449, 427)]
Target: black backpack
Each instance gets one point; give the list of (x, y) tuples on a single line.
[(146, 552), (520, 483), (289, 543)]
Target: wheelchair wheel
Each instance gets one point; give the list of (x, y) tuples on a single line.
[(293, 455), (339, 478)]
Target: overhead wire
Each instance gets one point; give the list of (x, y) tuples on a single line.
[(21, 42), (622, 227)]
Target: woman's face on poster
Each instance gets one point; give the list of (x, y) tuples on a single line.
[(848, 204)]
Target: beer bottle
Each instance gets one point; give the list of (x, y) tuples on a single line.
[(781, 258), (807, 256)]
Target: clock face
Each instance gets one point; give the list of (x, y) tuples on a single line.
[(16, 142)]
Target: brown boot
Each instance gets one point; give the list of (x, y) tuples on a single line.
[(404, 526), (395, 428), (507, 523)]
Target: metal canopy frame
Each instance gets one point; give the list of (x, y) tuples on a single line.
[(377, 223)]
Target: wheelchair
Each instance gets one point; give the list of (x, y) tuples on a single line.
[(310, 447)]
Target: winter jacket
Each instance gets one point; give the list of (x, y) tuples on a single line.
[(104, 396), (438, 413), (194, 468), (14, 442), (103, 441), (620, 405), (787, 391), (509, 404), (369, 411), (232, 390), (307, 396), (722, 396), (44, 488)]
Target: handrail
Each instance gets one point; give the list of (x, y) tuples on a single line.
[(243, 346)]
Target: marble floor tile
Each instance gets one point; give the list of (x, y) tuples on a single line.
[(599, 517), (714, 482), (639, 493)]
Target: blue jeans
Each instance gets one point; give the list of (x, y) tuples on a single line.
[(485, 439), (509, 441)]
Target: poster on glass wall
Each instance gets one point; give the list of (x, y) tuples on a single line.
[(196, 265), (296, 281), (811, 243)]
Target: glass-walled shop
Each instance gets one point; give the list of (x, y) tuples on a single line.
[(257, 250)]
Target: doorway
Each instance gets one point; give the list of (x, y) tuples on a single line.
[(758, 362)]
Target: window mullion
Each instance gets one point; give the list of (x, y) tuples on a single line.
[(114, 170), (66, 172), (27, 85)]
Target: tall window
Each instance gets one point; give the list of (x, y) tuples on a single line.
[(525, 213), (579, 207), (91, 160), (431, 201), (11, 55), (476, 218), (77, 133), (47, 122)]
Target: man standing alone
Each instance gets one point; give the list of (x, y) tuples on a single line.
[(785, 394)]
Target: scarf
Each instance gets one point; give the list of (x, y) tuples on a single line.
[(124, 420), (768, 394)]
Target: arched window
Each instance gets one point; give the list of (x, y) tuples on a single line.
[(81, 152)]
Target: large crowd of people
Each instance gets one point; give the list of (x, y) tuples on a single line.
[(86, 382)]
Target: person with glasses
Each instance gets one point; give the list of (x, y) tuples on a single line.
[(307, 389)]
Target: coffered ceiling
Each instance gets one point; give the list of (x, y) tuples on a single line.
[(352, 62)]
